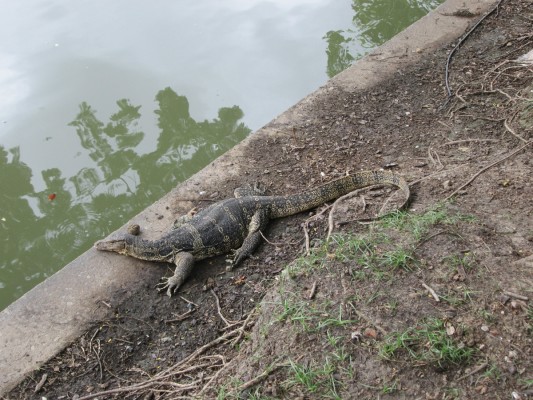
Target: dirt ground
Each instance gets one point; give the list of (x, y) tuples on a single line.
[(434, 303)]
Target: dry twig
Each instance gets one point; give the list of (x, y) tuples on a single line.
[(475, 370), (306, 224), (312, 292), (226, 321), (254, 381), (41, 383), (432, 292), (181, 317), (486, 168), (508, 127), (516, 296), (163, 377), (467, 141)]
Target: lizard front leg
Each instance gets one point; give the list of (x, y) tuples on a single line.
[(184, 263)]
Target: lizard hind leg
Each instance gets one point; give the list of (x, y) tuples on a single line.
[(184, 263), (258, 223)]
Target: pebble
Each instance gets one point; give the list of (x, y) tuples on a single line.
[(134, 229)]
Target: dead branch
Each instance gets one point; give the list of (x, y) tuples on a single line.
[(162, 377), (463, 39), (486, 168)]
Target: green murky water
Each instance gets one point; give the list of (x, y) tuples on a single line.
[(106, 106)]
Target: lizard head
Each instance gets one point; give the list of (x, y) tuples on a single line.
[(118, 246)]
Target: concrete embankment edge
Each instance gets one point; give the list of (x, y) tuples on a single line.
[(49, 317)]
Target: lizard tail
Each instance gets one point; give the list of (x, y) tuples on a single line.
[(283, 206)]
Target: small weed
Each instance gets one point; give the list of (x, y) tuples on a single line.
[(486, 315), (399, 258), (340, 354), (332, 340), (452, 393), (314, 379), (373, 297), (258, 396), (456, 299), (293, 311), (493, 372), (326, 320), (529, 319), (358, 248), (392, 306), (428, 343), (526, 383), (465, 261), (358, 275), (389, 388), (305, 376), (222, 393), (312, 317)]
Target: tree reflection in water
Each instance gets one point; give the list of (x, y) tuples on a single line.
[(374, 22), (39, 236)]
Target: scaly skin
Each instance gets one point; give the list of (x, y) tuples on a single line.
[(235, 224)]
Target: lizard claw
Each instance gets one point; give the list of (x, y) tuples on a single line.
[(231, 260), (230, 264), (171, 283)]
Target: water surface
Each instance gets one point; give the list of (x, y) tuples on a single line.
[(105, 106)]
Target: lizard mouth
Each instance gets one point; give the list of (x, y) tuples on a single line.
[(111, 245)]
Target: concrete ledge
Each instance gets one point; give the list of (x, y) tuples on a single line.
[(45, 320)]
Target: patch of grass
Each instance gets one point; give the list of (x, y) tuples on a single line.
[(294, 311), (526, 383), (316, 258), (458, 297), (398, 258), (419, 224), (316, 379), (360, 249), (311, 316), (325, 319), (332, 340), (466, 261), (426, 343)]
